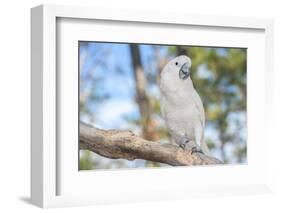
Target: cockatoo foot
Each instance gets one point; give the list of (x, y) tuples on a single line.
[(196, 149), (183, 143)]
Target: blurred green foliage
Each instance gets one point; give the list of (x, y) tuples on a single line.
[(85, 162)]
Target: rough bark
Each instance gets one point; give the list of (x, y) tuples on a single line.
[(124, 144)]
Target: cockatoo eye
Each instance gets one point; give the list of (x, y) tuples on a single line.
[(176, 63)]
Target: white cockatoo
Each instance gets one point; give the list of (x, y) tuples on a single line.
[(181, 106)]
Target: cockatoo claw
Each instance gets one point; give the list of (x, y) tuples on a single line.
[(196, 149), (183, 143)]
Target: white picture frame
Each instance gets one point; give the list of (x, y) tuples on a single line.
[(47, 166)]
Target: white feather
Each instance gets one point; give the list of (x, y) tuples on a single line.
[(181, 105)]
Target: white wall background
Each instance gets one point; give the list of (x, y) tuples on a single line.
[(15, 98)]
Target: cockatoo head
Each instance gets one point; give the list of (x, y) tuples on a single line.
[(176, 72)]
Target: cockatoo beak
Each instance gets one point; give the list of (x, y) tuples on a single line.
[(184, 72)]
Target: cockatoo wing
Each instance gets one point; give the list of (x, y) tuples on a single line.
[(199, 107)]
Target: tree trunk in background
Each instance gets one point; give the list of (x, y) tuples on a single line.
[(181, 50), (141, 96), (160, 61)]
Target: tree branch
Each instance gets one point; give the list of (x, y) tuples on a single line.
[(124, 144)]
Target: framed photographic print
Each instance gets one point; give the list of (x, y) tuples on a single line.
[(130, 106)]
